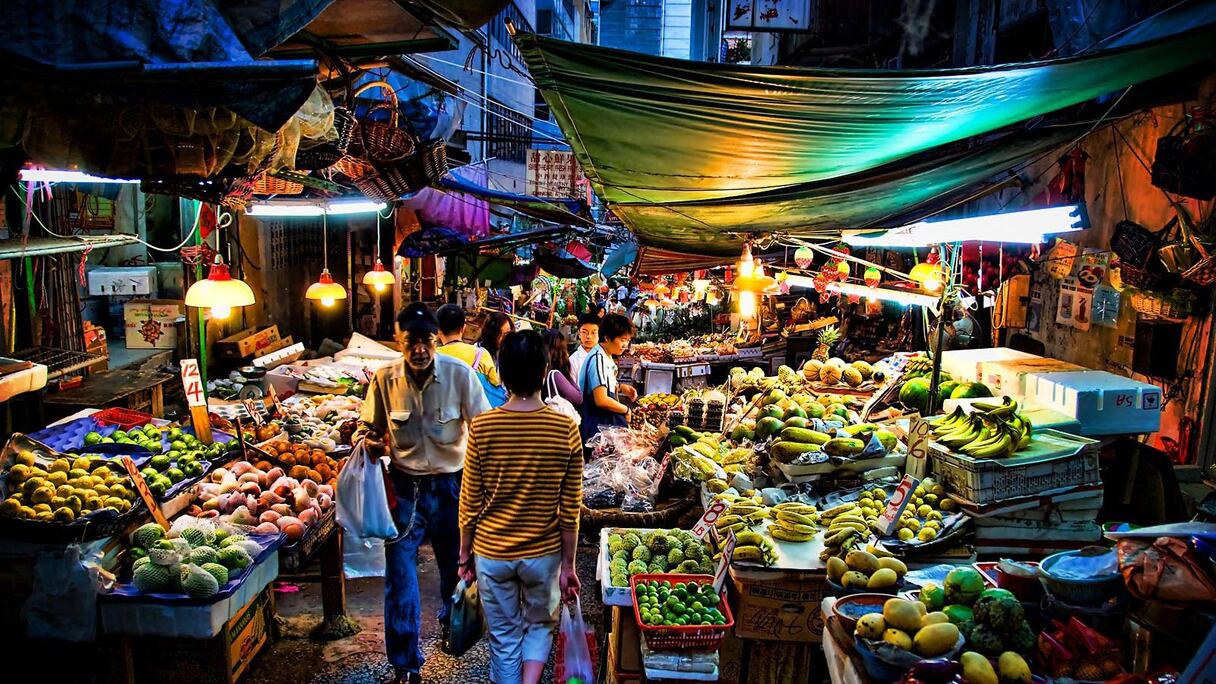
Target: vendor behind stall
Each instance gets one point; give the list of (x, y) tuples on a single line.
[(588, 338), (602, 395)]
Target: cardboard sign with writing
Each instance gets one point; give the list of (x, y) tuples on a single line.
[(141, 486), (728, 553), (711, 515), (918, 448), (899, 500), (192, 383), (254, 414)]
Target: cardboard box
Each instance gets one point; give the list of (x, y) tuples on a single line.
[(153, 323), (627, 641), (257, 340), (222, 659), (1015, 377), (779, 606)]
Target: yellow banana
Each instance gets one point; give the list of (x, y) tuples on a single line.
[(795, 517), (751, 554), (749, 538), (838, 510), (728, 519), (849, 525), (879, 552), (785, 534), (805, 509)]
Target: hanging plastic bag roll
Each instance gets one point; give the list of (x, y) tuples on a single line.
[(363, 509)]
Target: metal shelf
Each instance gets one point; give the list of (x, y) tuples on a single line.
[(58, 362)]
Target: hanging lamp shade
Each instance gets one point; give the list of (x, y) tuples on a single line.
[(325, 290), (219, 291), (803, 256), (378, 278), (925, 271)]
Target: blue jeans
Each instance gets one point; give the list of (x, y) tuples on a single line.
[(426, 508)]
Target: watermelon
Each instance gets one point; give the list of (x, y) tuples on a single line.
[(947, 388), (914, 392), (971, 390)]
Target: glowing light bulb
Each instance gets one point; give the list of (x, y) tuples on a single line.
[(221, 312), (933, 284), (327, 301), (379, 287), (747, 304)]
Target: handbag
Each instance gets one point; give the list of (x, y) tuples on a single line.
[(555, 401), (496, 395), (468, 619), (1165, 569)]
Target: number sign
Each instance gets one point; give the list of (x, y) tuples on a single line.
[(192, 382)]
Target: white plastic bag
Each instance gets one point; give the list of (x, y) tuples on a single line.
[(362, 500), (363, 557)]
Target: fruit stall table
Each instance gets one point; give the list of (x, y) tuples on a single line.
[(135, 390)]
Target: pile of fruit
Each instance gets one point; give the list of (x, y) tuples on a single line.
[(637, 552), (800, 444), (195, 560), (872, 568), (991, 430), (837, 371), (847, 528), (682, 604), (922, 519), (303, 463), (914, 391), (749, 382), (64, 489), (323, 421), (660, 401), (906, 625), (704, 457), (992, 620), (263, 497)]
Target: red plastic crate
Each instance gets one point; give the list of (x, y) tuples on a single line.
[(125, 419), (686, 637)]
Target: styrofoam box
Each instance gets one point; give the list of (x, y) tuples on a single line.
[(1012, 376), (964, 364), (122, 280), (1104, 403), (186, 620)]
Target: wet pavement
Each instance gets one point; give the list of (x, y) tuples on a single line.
[(295, 658)]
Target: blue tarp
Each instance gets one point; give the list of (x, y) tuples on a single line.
[(193, 53)]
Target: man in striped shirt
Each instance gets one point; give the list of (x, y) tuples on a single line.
[(519, 512)]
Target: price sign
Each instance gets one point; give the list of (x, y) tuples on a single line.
[(141, 486), (899, 500), (274, 399), (254, 414), (192, 382), (711, 515), (728, 553), (918, 448)]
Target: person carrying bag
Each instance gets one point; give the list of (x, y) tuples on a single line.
[(363, 508)]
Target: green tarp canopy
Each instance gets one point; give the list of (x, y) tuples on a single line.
[(687, 152)]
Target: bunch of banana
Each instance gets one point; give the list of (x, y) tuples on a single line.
[(744, 514), (794, 522), (993, 431), (753, 547), (917, 366), (847, 529)]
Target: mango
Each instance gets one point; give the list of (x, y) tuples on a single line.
[(936, 639), (898, 639), (894, 564), (1013, 669), (871, 626), (854, 580), (883, 578), (934, 618), (836, 569), (901, 614), (862, 561), (977, 669)]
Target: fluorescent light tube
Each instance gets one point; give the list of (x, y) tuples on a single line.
[(60, 176), (1032, 226)]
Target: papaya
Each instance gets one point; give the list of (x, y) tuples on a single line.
[(804, 436), (742, 432), (795, 422), (787, 452), (844, 446), (767, 427), (794, 411), (685, 432)]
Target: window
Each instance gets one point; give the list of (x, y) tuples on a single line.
[(507, 133), (497, 29)]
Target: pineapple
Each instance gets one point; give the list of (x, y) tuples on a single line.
[(827, 338)]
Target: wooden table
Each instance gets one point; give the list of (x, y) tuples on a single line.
[(135, 390)]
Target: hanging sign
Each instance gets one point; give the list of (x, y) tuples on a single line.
[(1105, 306), (1061, 258), (1093, 268), (768, 15), (1073, 306), (553, 173)]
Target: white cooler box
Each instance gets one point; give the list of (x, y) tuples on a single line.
[(1103, 403), (1015, 377), (964, 364)]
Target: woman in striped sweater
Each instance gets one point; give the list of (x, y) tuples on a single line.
[(519, 509)]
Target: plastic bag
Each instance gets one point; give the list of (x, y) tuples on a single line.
[(363, 557), (468, 620), (574, 663), (63, 602), (362, 500)]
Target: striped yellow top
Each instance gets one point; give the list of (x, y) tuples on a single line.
[(523, 482)]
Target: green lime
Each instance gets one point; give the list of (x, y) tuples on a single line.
[(92, 438)]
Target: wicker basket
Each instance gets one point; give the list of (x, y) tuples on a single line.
[(389, 182), (266, 184), (327, 154), (383, 141), (1177, 304)]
